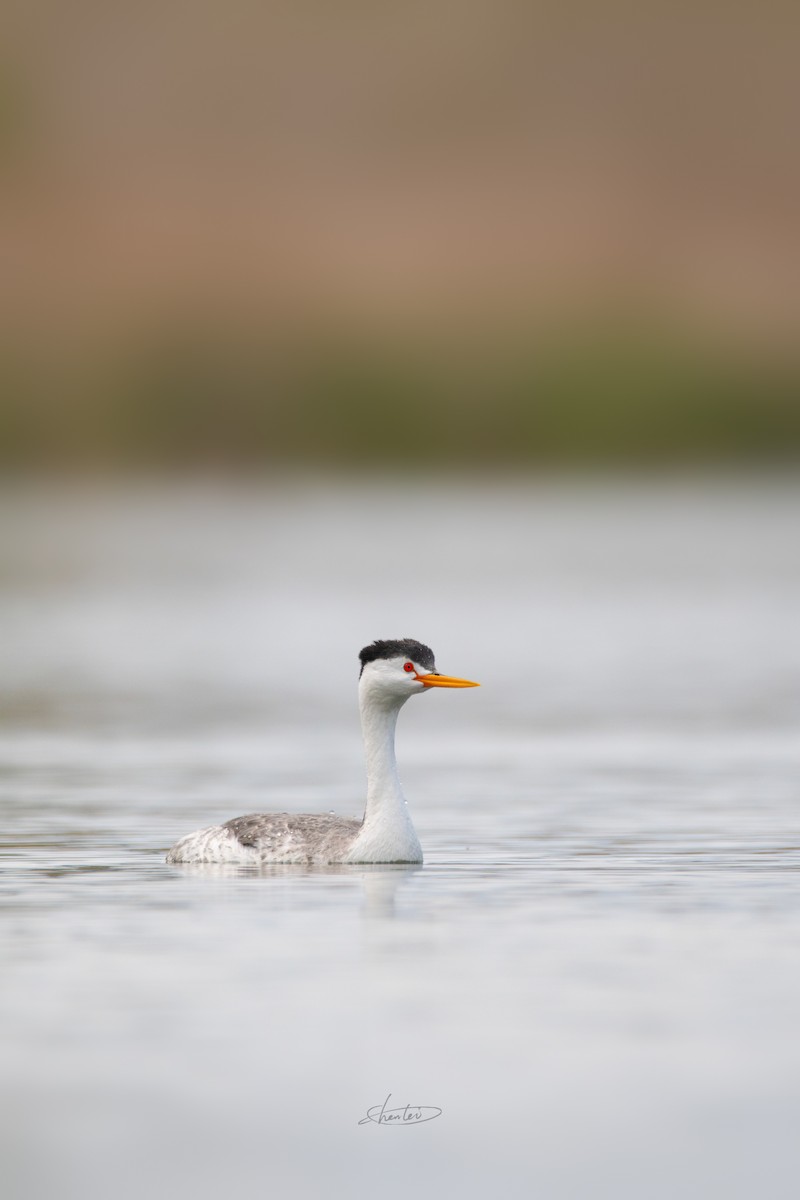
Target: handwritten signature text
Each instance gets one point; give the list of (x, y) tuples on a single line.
[(407, 1114)]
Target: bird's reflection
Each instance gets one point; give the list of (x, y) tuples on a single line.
[(380, 882)]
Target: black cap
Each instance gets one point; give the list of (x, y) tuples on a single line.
[(399, 648)]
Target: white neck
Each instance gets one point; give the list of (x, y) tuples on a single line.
[(387, 834)]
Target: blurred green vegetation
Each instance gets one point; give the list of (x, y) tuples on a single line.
[(198, 399)]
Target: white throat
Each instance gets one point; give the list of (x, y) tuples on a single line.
[(387, 834)]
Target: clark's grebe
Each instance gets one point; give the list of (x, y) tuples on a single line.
[(391, 672)]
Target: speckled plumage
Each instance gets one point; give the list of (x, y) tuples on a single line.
[(270, 837)]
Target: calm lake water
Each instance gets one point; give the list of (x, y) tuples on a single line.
[(595, 975)]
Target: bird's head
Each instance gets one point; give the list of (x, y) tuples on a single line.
[(395, 670)]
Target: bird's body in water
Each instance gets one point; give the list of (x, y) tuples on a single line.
[(391, 672)]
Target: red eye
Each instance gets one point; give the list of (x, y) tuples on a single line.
[(408, 667)]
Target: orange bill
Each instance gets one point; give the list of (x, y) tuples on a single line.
[(445, 681)]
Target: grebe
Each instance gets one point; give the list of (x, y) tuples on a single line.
[(391, 672)]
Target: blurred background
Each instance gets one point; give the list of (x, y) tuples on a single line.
[(474, 322), (237, 234)]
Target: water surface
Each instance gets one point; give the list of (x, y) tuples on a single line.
[(595, 975)]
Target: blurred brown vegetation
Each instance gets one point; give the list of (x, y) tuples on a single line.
[(236, 233)]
